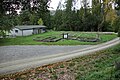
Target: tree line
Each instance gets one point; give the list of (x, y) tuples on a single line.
[(101, 15)]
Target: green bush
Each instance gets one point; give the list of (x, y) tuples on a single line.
[(40, 21)]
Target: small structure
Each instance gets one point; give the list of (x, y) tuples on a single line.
[(65, 35), (26, 30)]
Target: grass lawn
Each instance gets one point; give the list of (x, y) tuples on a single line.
[(28, 40), (98, 66)]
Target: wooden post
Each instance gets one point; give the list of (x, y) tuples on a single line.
[(22, 32)]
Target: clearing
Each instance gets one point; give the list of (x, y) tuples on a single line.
[(29, 40)]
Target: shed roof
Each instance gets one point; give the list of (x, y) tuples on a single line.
[(23, 27)]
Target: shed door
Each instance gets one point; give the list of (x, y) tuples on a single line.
[(35, 31), (39, 31)]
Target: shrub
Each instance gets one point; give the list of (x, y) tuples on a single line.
[(40, 21)]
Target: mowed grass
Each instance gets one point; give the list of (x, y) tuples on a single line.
[(97, 66), (28, 40)]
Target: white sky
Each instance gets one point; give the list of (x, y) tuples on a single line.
[(54, 4)]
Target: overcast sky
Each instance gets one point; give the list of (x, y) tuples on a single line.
[(54, 4)]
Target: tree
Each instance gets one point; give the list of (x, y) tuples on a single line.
[(117, 2), (40, 21), (81, 18), (58, 20), (63, 18), (85, 7), (68, 15), (7, 14), (116, 23), (76, 22), (25, 17), (2, 11), (43, 12), (5, 25), (33, 18), (119, 32), (30, 13)]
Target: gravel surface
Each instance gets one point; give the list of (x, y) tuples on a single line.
[(12, 53), (19, 58)]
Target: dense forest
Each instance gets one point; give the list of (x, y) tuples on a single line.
[(101, 15)]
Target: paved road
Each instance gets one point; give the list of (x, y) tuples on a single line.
[(66, 53)]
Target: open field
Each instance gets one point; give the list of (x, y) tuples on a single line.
[(98, 66), (28, 40)]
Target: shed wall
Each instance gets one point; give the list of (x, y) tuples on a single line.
[(27, 32), (20, 32), (12, 32)]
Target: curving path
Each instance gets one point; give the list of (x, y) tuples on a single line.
[(12, 53), (17, 58)]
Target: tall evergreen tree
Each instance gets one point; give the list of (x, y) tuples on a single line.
[(116, 23), (68, 15)]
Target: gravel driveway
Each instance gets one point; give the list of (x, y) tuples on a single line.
[(18, 58), (12, 53)]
